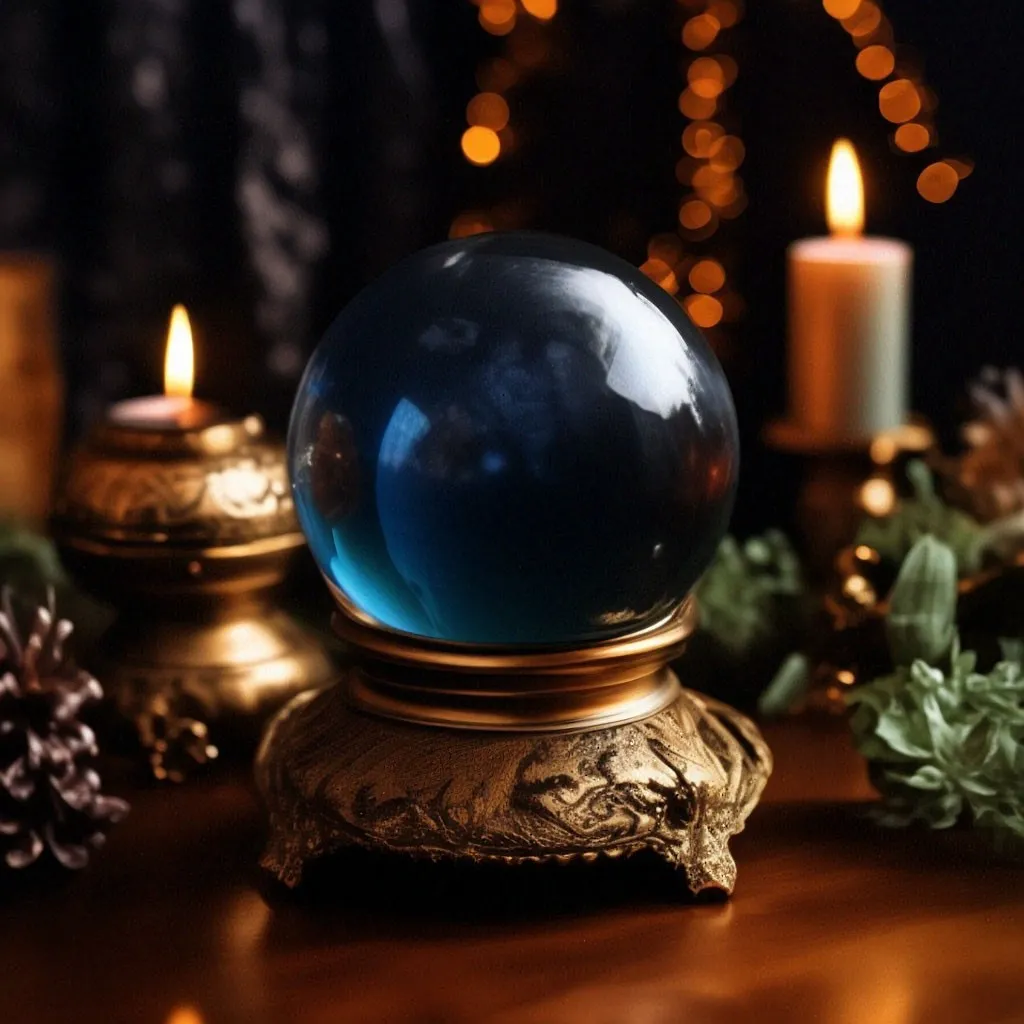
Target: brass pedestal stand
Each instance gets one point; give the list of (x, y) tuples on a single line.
[(452, 751), (186, 532)]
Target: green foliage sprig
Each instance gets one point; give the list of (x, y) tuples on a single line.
[(945, 741), (739, 594)]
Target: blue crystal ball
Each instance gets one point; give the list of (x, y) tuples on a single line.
[(513, 439)]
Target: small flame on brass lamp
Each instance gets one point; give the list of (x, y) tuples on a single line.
[(181, 517)]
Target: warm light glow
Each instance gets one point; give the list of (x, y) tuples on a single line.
[(543, 10), (876, 62), (706, 77), (840, 8), (730, 69), (184, 1015), (481, 145), (665, 247), (661, 274), (488, 109), (727, 153), (964, 168), (700, 31), (865, 20), (703, 310), (472, 222), (937, 182), (845, 205), (883, 449), (707, 276), (912, 137), (179, 364), (899, 101), (877, 496), (694, 214), (696, 108), (700, 137), (725, 12), (498, 17), (686, 167)]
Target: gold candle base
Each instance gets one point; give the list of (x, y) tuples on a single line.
[(187, 532), (458, 752)]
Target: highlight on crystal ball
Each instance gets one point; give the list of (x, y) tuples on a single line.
[(513, 439)]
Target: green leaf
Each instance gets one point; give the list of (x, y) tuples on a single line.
[(922, 606)]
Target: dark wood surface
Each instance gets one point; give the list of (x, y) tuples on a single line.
[(833, 920)]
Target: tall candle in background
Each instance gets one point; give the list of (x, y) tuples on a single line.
[(31, 412), (849, 320)]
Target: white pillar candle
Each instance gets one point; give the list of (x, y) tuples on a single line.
[(849, 320)]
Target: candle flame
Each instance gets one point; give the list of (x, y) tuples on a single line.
[(178, 363), (845, 206)]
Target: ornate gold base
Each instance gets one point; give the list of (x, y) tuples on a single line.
[(679, 783), (185, 683)]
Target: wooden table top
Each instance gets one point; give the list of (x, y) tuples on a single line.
[(833, 920)]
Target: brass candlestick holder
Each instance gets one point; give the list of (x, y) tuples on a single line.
[(456, 751), (186, 531)]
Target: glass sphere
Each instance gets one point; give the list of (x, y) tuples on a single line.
[(513, 439)]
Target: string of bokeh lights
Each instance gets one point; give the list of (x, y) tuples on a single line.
[(691, 263), (904, 99), (488, 135), (708, 169)]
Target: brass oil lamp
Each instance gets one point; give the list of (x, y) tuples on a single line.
[(181, 518)]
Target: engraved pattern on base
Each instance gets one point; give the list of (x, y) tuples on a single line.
[(680, 784)]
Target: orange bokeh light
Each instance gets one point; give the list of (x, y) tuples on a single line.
[(877, 496), (694, 214), (703, 310), (707, 276), (964, 167), (706, 77), (840, 8), (661, 274), (700, 31), (481, 145), (725, 12), (730, 69), (472, 222), (488, 109), (865, 20), (899, 101), (498, 17), (699, 137), (696, 108), (876, 62), (727, 153), (542, 10), (912, 137), (937, 182), (737, 206)]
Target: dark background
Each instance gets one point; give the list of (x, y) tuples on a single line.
[(128, 140)]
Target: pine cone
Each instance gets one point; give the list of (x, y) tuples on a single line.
[(988, 479), (49, 795)]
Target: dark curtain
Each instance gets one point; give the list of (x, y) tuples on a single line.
[(260, 160)]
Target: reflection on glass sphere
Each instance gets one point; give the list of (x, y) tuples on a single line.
[(513, 439)]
